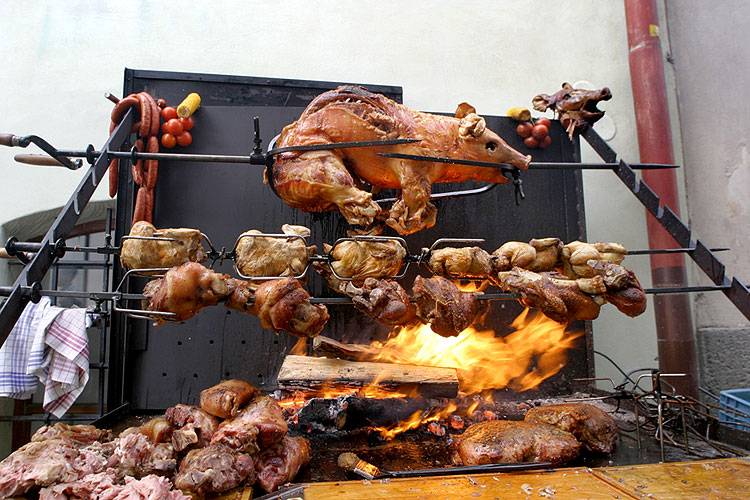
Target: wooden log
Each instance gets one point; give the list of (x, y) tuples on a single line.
[(305, 373), (326, 346)]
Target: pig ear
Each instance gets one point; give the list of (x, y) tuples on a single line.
[(472, 125), (464, 109)]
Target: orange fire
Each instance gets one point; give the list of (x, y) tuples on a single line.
[(532, 352)]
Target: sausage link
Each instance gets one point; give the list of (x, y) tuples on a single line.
[(113, 173), (138, 176), (152, 166), (118, 112), (148, 214), (145, 128), (139, 213), (155, 114)]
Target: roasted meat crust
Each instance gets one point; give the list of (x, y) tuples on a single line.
[(214, 469), (283, 305), (324, 180), (466, 262), (192, 426), (259, 425), (504, 441), (225, 399), (148, 254), (274, 257), (442, 305), (280, 463), (360, 260), (593, 427)]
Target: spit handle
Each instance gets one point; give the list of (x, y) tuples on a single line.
[(42, 160), (9, 140)]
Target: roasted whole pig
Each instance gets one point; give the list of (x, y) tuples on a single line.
[(359, 260), (280, 463), (149, 254), (186, 290), (192, 426), (593, 427), (559, 298), (225, 399), (259, 425), (317, 181), (575, 108), (505, 441), (465, 262), (283, 305), (442, 305), (214, 469), (274, 257)]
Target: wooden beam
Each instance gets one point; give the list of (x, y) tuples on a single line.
[(305, 373), (329, 348)]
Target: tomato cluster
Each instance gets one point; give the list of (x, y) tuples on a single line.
[(536, 134), (174, 130)]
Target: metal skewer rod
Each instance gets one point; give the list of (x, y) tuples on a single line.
[(671, 250), (685, 289)]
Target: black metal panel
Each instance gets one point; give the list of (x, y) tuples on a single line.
[(173, 363)]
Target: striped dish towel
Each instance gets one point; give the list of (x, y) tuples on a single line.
[(57, 354)]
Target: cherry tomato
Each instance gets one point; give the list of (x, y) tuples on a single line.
[(168, 113), (545, 142), (168, 140), (544, 121), (174, 126), (185, 138), (187, 123), (164, 128), (524, 129), (539, 132), (531, 142)]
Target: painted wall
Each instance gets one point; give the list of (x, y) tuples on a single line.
[(59, 58)]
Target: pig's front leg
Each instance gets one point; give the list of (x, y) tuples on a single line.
[(413, 212)]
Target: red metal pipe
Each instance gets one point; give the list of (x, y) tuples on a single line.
[(674, 325)]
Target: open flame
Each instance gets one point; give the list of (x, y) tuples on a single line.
[(531, 353)]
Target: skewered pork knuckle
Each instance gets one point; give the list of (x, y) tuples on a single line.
[(317, 181), (148, 254), (283, 305), (447, 309), (359, 260), (466, 262), (266, 256)]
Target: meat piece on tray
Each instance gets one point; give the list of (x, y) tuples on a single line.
[(261, 256), (148, 254), (214, 469), (186, 290), (505, 441), (465, 262), (158, 430), (593, 427), (42, 463), (136, 455), (225, 399), (447, 309), (366, 259), (102, 485), (280, 463), (192, 426), (259, 425), (317, 181), (560, 299), (75, 435), (283, 305)]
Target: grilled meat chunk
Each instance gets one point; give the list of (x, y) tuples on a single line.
[(102, 485), (447, 309), (561, 299), (136, 455), (43, 463), (317, 181), (281, 462), (577, 255), (537, 255), (214, 469), (266, 256), (504, 441), (225, 399), (259, 425), (465, 262), (359, 260), (623, 288), (75, 435), (147, 254), (192, 426), (594, 428), (186, 290), (283, 305), (158, 430)]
